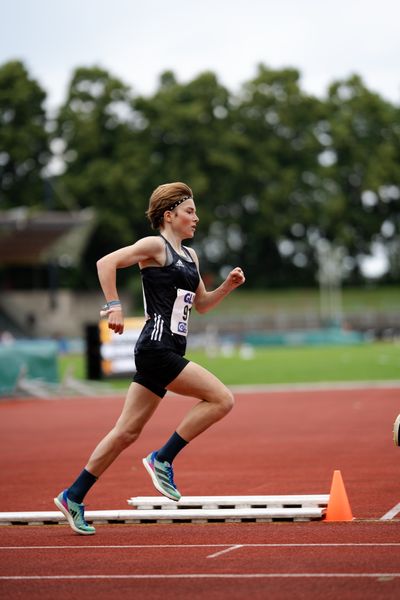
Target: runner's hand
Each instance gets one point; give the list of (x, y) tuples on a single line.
[(235, 278), (116, 320)]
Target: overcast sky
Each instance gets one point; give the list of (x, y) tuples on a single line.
[(138, 40)]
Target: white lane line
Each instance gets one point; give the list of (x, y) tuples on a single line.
[(114, 546), (202, 576), (235, 547), (227, 546), (391, 513)]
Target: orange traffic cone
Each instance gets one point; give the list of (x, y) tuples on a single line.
[(338, 506)]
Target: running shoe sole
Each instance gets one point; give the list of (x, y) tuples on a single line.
[(70, 520), (155, 482)]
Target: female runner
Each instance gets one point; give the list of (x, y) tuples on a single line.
[(171, 286)]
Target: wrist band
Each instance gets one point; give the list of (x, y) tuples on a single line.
[(110, 307), (113, 303)]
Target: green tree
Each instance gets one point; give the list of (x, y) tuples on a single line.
[(358, 192), (187, 135), (24, 149), (185, 128), (275, 171), (103, 168), (279, 154)]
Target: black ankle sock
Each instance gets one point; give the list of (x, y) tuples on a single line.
[(174, 445), (81, 486)]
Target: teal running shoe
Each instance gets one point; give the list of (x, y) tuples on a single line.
[(74, 513), (162, 476), (396, 431)]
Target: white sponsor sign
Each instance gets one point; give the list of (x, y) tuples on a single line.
[(117, 351)]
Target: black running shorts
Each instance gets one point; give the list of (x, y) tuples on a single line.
[(155, 369)]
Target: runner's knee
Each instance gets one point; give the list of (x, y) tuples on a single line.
[(125, 437), (226, 401)]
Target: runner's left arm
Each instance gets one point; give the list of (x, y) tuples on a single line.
[(207, 300)]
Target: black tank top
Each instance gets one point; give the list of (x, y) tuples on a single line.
[(168, 294)]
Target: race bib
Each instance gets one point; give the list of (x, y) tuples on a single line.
[(181, 312)]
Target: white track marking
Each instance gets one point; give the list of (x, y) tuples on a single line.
[(391, 513), (227, 546), (318, 386), (235, 547), (202, 576)]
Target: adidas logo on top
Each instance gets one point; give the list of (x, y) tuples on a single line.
[(179, 263)]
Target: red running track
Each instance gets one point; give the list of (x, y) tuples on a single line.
[(271, 443)]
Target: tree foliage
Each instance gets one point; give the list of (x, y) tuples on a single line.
[(276, 173), (364, 179), (24, 149)]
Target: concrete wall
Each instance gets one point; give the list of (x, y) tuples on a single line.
[(35, 315)]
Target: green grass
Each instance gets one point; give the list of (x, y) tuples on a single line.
[(364, 362), (73, 364), (307, 364)]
